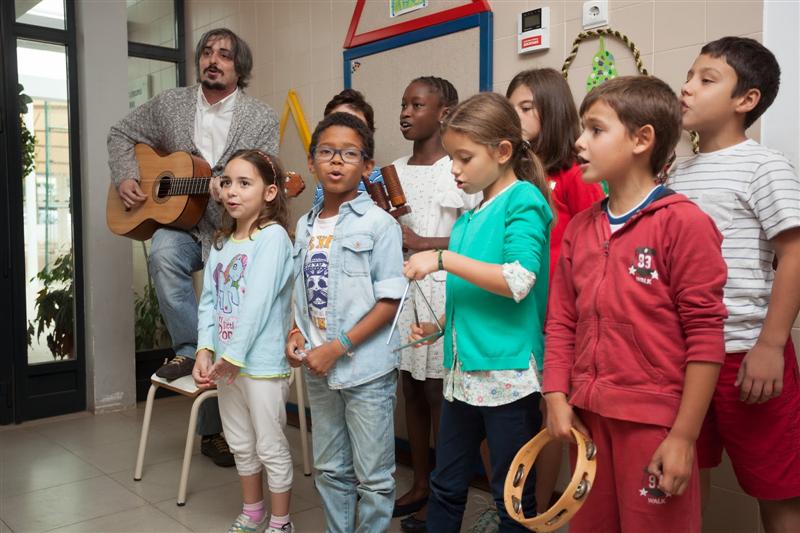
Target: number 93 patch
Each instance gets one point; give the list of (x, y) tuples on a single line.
[(643, 268)]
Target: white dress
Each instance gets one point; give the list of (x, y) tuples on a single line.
[(436, 203)]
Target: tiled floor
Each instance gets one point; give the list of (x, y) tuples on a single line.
[(75, 474)]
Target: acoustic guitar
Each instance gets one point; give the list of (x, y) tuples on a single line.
[(176, 186)]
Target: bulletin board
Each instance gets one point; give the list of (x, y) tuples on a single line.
[(382, 70)]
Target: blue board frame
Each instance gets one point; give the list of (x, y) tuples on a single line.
[(482, 21)]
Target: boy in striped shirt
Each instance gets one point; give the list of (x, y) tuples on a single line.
[(753, 195)]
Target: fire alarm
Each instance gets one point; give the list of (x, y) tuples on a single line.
[(533, 30)]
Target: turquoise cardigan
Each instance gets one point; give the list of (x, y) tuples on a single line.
[(494, 332)]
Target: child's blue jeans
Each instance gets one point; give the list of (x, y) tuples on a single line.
[(506, 428), (353, 437)]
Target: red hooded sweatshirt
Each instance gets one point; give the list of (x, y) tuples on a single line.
[(627, 311)]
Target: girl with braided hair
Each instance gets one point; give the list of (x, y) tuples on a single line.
[(435, 203)]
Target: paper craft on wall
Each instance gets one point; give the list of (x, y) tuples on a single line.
[(603, 67)]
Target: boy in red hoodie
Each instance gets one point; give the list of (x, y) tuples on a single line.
[(634, 335)]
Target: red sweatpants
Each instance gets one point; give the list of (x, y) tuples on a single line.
[(624, 497)]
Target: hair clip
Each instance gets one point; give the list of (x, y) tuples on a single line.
[(527, 145)]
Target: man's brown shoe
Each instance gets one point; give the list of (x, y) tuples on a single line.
[(177, 367), (215, 447)]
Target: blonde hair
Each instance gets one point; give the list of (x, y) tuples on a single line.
[(489, 119)]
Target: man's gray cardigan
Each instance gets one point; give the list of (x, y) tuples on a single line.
[(166, 122)]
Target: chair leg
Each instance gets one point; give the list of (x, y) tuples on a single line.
[(301, 413), (187, 452), (148, 412)]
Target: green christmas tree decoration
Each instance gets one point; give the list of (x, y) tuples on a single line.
[(603, 67)]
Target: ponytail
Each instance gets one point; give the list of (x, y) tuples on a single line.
[(528, 167)]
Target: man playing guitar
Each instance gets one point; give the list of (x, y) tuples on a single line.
[(213, 120)]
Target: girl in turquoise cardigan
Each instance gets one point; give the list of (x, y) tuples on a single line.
[(497, 269)]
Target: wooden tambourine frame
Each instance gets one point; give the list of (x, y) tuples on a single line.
[(572, 498)]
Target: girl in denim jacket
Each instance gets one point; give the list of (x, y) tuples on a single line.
[(348, 280)]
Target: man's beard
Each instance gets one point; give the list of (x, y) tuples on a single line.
[(213, 85)]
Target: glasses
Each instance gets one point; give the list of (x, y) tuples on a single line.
[(351, 156)]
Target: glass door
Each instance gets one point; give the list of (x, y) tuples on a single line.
[(41, 193)]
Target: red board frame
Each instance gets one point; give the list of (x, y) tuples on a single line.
[(352, 39)]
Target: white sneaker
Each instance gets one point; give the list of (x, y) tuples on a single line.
[(286, 528), (243, 524)]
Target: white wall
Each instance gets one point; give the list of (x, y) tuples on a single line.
[(103, 96), (780, 126)]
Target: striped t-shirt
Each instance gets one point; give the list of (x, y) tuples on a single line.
[(753, 194)]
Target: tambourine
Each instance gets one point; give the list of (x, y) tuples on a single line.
[(572, 498)]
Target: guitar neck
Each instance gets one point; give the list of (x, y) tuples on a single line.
[(184, 187)]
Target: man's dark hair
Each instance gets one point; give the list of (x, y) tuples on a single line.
[(755, 67), (348, 121), (354, 100), (242, 57)]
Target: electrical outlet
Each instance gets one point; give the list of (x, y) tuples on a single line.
[(595, 14)]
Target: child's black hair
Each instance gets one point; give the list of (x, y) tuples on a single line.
[(448, 95), (348, 121), (755, 67), (354, 100)]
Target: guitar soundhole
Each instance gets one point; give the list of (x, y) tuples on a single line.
[(162, 187)]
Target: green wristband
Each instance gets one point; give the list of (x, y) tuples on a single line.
[(344, 340)]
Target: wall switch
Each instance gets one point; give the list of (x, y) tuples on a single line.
[(595, 14)]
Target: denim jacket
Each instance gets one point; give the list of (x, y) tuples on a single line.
[(365, 265)]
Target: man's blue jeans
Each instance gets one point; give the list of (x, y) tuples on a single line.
[(174, 256), (353, 437), (462, 428)]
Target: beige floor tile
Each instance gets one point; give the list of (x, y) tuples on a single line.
[(303, 485), (211, 510), (309, 521), (90, 431), (71, 503), (33, 471), (300, 504), (20, 444), (120, 456), (4, 528), (140, 520), (160, 481), (214, 510)]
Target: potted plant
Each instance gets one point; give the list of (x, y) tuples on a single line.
[(54, 308), (28, 140), (151, 332)]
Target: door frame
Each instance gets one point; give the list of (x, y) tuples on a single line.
[(58, 387)]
